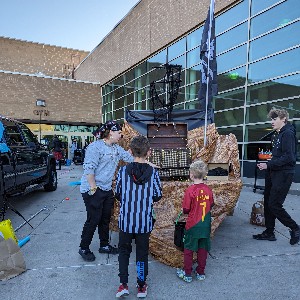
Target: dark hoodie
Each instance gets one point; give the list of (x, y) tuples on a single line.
[(284, 150), (139, 172)]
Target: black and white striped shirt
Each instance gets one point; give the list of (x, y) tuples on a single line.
[(136, 200)]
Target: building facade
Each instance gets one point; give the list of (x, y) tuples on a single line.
[(31, 71), (258, 48)]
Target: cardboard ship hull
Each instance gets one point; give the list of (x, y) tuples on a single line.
[(219, 150)]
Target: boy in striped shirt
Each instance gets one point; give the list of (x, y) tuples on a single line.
[(137, 188)]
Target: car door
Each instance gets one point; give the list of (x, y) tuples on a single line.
[(36, 151), (7, 163), (23, 159)]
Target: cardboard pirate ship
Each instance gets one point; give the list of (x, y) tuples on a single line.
[(177, 139)]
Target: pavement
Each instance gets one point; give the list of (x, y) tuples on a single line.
[(241, 267)]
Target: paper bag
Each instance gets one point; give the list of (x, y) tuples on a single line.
[(257, 214), (11, 259)]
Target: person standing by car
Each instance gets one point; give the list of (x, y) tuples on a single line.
[(100, 163), (280, 170), (57, 150), (73, 147)]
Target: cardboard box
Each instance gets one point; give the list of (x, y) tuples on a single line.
[(218, 166)]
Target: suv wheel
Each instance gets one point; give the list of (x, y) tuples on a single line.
[(52, 184)]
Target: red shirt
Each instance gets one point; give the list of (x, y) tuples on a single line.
[(198, 201)]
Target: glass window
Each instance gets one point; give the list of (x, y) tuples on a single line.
[(176, 49), (129, 76), (119, 103), (194, 38), (106, 89), (231, 59), (107, 108), (156, 74), (229, 117), (157, 60), (141, 82), (195, 104), (181, 95), (28, 135), (119, 114), (231, 38), (258, 47), (129, 87), (258, 5), (192, 91), (275, 17), (129, 99), (118, 82), (275, 66), (232, 16), (141, 105), (179, 61), (139, 95), (259, 113), (118, 93), (254, 133), (237, 131), (232, 79), (192, 75), (229, 100), (274, 89), (179, 106), (193, 57)]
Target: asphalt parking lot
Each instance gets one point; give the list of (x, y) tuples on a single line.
[(241, 268)]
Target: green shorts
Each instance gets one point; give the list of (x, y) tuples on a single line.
[(192, 243)]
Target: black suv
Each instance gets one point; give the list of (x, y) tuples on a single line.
[(25, 164)]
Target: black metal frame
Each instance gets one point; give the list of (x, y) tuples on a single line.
[(162, 109)]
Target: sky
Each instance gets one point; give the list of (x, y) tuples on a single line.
[(77, 24)]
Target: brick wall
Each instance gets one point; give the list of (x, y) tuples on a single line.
[(33, 58), (66, 100), (150, 26)]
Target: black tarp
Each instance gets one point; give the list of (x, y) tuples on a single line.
[(194, 118)]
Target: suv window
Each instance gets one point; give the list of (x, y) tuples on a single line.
[(28, 135), (12, 134)]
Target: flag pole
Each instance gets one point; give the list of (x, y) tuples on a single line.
[(211, 12)]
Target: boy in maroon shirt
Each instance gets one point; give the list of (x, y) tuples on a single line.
[(197, 203)]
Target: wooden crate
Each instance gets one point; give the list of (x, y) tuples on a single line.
[(213, 166), (167, 135)]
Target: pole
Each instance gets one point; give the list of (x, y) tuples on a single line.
[(40, 127), (211, 10)]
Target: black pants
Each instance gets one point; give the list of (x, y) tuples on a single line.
[(142, 250), (98, 208), (277, 185)]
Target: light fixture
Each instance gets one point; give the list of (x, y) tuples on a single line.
[(40, 103)]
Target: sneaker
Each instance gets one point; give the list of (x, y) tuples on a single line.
[(181, 274), (87, 254), (200, 276), (142, 291), (295, 236), (122, 291), (109, 249), (265, 236)]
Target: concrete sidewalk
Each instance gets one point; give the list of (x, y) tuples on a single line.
[(242, 268)]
